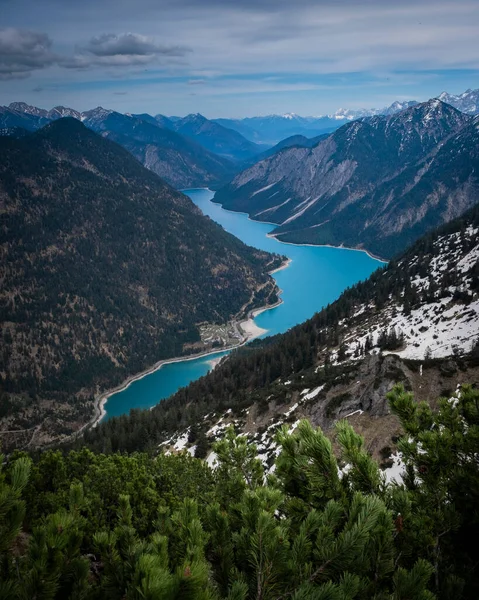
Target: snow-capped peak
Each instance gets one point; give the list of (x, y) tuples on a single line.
[(23, 107)]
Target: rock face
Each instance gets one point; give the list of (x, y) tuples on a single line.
[(377, 183), (105, 270)]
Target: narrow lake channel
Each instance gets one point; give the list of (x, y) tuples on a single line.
[(316, 276)]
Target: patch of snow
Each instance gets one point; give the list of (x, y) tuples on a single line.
[(263, 189), (396, 472), (292, 409), (211, 460), (312, 394), (181, 442), (356, 412)]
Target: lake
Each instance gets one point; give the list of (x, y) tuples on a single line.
[(316, 277)]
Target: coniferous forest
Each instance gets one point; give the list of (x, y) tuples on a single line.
[(85, 526), (105, 270)]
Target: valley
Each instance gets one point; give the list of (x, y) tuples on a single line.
[(415, 321), (239, 300), (314, 278), (106, 271)]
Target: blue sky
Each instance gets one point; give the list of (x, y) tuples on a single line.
[(228, 58)]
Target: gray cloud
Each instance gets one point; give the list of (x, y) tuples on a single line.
[(22, 52), (130, 44), (127, 49), (197, 82)]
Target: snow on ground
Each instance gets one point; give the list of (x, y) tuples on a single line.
[(181, 442), (396, 472), (211, 460), (356, 412), (313, 393), (436, 331), (444, 327), (263, 189), (292, 409)]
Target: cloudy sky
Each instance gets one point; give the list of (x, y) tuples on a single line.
[(234, 58)]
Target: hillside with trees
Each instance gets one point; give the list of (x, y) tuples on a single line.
[(105, 270)]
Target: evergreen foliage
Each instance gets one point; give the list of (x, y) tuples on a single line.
[(320, 526)]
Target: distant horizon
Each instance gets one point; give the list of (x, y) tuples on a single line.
[(271, 114)]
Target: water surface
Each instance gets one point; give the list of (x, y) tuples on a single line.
[(316, 277)]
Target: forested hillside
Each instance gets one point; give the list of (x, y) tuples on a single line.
[(105, 270), (420, 313), (328, 525), (180, 161)]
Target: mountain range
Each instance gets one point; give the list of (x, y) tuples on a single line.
[(208, 151), (191, 152), (180, 161), (376, 183), (105, 270), (213, 136), (273, 128)]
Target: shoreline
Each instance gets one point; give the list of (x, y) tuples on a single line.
[(370, 254), (247, 326), (273, 236)]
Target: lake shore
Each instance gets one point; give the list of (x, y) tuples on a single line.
[(370, 254), (273, 236), (247, 327)]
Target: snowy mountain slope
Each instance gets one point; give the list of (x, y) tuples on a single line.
[(378, 183), (467, 102), (273, 128)]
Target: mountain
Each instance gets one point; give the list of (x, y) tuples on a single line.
[(378, 183), (182, 162), (105, 270), (274, 128), (396, 107), (239, 126), (351, 115), (165, 122), (271, 129), (58, 112), (28, 109), (9, 117), (178, 160), (415, 321), (293, 141), (467, 102), (214, 137)]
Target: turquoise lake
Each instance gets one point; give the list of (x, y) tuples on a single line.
[(316, 277)]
